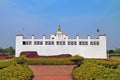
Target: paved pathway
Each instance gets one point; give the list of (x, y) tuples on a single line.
[(52, 72)]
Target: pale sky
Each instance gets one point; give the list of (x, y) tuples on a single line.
[(40, 17)]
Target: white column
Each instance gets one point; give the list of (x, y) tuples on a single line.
[(89, 37), (33, 36), (43, 39), (77, 37)]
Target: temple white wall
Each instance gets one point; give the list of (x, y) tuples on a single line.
[(88, 48)]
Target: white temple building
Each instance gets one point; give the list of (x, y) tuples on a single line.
[(60, 43)]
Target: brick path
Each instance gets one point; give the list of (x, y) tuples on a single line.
[(52, 72)]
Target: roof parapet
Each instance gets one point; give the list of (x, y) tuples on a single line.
[(19, 35), (102, 35)]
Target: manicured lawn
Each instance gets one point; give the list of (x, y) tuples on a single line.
[(115, 57)]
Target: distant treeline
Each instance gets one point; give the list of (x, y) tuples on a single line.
[(115, 51), (9, 51)]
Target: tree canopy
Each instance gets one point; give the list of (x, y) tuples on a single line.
[(9, 50), (116, 51)]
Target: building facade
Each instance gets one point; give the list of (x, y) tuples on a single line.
[(60, 43)]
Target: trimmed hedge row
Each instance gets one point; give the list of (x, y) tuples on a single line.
[(114, 55), (15, 69), (55, 61), (97, 70), (49, 61)]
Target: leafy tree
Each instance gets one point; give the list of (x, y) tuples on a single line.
[(111, 51), (9, 50), (117, 50), (1, 50)]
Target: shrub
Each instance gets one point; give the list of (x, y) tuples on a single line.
[(107, 64), (29, 54), (3, 56), (6, 63), (91, 70), (21, 60), (78, 60), (15, 69), (56, 61), (33, 54), (16, 72), (49, 61), (114, 55)]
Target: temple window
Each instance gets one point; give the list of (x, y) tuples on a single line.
[(60, 42), (38, 42), (94, 43), (49, 42), (26, 42), (72, 43), (83, 43)]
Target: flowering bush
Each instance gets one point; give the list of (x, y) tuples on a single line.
[(3, 56), (33, 54), (29, 54)]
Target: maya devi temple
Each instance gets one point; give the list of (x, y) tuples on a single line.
[(60, 43)]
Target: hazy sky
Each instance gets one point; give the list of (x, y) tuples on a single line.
[(40, 17)]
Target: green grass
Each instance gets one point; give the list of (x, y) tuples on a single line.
[(115, 57)]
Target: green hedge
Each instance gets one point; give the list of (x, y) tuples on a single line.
[(6, 63), (92, 70), (16, 72), (108, 64), (15, 69), (55, 61), (49, 61), (21, 60), (78, 60), (114, 55)]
